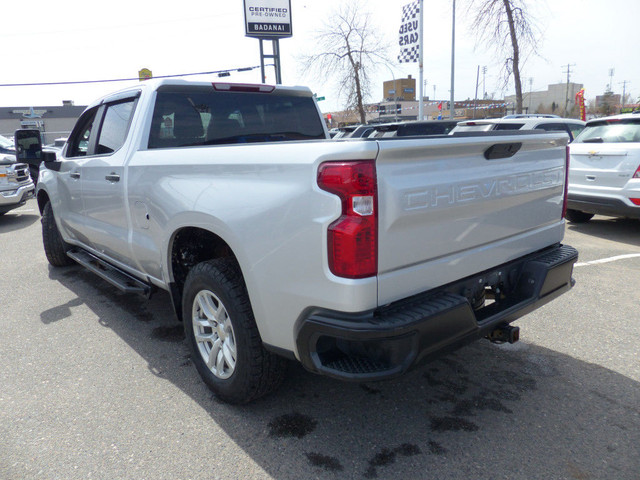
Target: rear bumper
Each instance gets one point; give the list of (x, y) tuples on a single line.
[(613, 207), (386, 342)]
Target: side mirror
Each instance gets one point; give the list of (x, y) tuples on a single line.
[(28, 146), (51, 161)]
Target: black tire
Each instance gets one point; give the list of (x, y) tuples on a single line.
[(230, 331), (576, 216), (54, 247)]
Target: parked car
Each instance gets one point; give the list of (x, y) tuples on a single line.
[(412, 129), (16, 186), (6, 146), (342, 132), (604, 176), (544, 122)]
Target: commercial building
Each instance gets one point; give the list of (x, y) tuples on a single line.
[(558, 98), (53, 122), (400, 89)]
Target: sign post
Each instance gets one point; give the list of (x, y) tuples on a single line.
[(411, 43), (268, 20)]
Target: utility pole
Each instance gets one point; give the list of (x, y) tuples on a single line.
[(484, 86), (624, 91), (475, 98), (566, 99), (611, 72), (530, 86)]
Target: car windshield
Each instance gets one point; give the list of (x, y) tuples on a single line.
[(611, 131), (6, 143)]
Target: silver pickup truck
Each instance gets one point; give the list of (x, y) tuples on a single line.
[(16, 186), (359, 259)]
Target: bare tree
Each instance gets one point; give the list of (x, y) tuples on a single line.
[(349, 48), (506, 25)]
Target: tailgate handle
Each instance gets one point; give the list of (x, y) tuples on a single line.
[(502, 150)]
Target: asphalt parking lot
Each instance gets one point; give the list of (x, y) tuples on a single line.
[(96, 384)]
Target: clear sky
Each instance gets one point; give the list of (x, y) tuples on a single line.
[(72, 40)]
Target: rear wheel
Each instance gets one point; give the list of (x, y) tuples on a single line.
[(54, 247), (223, 337), (576, 216)]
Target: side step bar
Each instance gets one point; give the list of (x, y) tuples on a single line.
[(111, 274)]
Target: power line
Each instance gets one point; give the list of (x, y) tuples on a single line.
[(79, 82)]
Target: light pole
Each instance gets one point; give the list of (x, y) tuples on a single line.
[(453, 57)]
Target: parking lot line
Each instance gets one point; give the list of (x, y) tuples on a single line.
[(607, 260)]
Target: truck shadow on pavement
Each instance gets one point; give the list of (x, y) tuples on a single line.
[(10, 222), (622, 230), (485, 411)]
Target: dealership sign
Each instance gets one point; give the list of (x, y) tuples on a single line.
[(267, 18)]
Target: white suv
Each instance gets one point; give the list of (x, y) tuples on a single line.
[(604, 173), (550, 123)]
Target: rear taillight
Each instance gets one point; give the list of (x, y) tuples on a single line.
[(637, 174), (352, 238), (566, 182)]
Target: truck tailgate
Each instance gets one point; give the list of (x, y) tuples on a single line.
[(447, 212)]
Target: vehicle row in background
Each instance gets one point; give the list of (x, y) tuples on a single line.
[(523, 122), (395, 129), (550, 123)]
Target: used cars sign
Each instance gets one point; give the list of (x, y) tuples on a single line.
[(268, 18)]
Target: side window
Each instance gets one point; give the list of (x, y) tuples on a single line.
[(575, 128), (114, 126), (177, 121), (79, 141), (509, 126), (552, 127), (555, 127)]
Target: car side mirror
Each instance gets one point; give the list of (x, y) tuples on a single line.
[(51, 161), (28, 145)]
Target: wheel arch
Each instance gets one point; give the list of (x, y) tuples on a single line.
[(188, 247), (42, 198)]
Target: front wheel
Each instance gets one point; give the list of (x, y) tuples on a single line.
[(54, 247), (576, 216), (223, 337)]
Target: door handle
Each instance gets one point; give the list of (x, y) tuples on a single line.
[(75, 175), (113, 177)]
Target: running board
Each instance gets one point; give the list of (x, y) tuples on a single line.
[(111, 274)]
